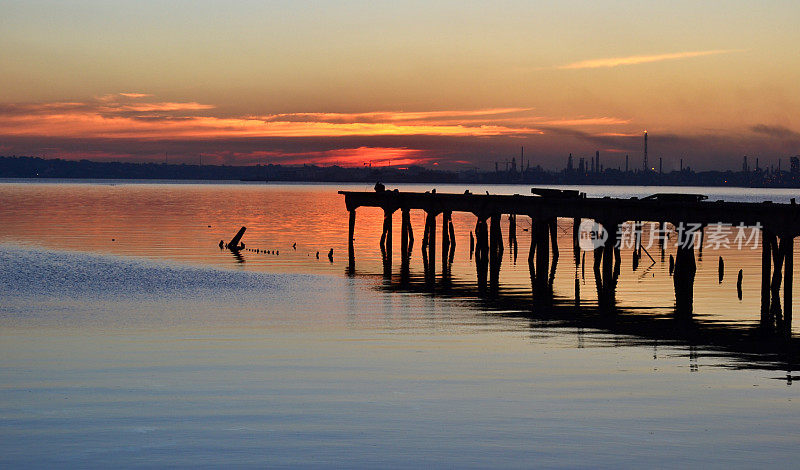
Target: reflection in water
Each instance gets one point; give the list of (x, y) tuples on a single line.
[(759, 347), (296, 370), (190, 222), (237, 254)]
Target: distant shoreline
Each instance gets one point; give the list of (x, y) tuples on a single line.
[(27, 168)]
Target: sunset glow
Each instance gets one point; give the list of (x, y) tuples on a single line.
[(460, 82)]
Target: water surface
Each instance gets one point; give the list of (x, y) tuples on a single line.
[(128, 338)]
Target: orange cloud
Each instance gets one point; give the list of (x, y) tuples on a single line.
[(127, 116), (641, 59), (167, 106), (393, 116), (98, 126), (134, 116), (134, 95)]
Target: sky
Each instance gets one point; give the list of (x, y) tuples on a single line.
[(456, 84)]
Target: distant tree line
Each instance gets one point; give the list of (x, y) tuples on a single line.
[(34, 167)]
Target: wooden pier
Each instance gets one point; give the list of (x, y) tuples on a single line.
[(779, 225)]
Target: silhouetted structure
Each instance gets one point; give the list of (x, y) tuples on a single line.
[(777, 221), (234, 245)]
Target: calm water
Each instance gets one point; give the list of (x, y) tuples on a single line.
[(128, 338)]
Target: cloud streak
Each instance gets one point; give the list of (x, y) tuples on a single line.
[(641, 59), (138, 126), (138, 116)]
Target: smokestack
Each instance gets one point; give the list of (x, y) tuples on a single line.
[(644, 161), (597, 159), (659, 164), (626, 163)]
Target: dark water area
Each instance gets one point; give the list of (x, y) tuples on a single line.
[(128, 338)]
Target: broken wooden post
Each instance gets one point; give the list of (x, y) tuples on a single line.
[(471, 245), (608, 259), (495, 252), (542, 255), (576, 246), (432, 242), (386, 239), (383, 233), (532, 250), (778, 256), (494, 238), (787, 282), (410, 235), (739, 284), (482, 252), (405, 250), (445, 238), (637, 227), (452, 232), (766, 268), (684, 274), (425, 233), (553, 226), (702, 237), (512, 232), (405, 222), (233, 245), (351, 252), (388, 217)]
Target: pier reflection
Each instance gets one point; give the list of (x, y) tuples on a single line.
[(764, 346)]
